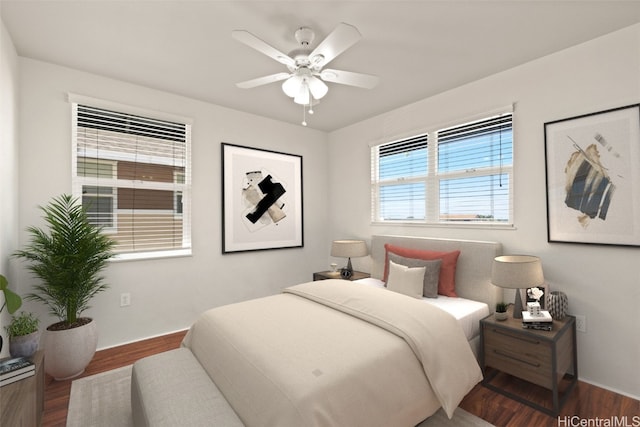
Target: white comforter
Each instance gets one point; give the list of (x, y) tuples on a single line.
[(334, 353)]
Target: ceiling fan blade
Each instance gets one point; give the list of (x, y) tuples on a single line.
[(340, 39), (261, 46), (366, 81), (263, 80)]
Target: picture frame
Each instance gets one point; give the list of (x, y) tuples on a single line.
[(593, 178), (261, 199), (536, 294)]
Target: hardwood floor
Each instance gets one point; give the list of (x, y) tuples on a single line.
[(585, 405), (56, 393)]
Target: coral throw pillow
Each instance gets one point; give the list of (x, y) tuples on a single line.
[(447, 280)]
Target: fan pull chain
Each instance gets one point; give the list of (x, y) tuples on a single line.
[(304, 115), (310, 102), (304, 108)]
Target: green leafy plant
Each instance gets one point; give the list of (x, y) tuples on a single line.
[(501, 307), (22, 324), (11, 299), (67, 258)]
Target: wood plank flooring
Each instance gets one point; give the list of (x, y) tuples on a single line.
[(586, 402), (56, 393)]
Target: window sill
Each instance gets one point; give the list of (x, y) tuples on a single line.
[(475, 225), (136, 256)]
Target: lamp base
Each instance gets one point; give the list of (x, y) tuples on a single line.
[(347, 272), (517, 307)]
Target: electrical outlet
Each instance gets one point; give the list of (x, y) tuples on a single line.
[(125, 300), (581, 323)]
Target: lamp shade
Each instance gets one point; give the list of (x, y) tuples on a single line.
[(348, 248), (517, 271)]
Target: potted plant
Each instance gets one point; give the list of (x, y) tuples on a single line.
[(67, 259), (501, 311), (11, 300), (23, 334)]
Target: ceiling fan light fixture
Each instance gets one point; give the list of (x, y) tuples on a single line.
[(317, 87), (291, 86), (303, 97), (305, 81)]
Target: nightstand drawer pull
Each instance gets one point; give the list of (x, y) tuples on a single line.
[(526, 339), (535, 365)]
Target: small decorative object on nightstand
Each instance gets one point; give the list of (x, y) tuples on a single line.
[(501, 311), (557, 304), (348, 249), (545, 358)]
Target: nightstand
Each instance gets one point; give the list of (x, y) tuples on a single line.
[(323, 275), (22, 402), (545, 358)]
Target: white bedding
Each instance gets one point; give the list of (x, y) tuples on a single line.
[(466, 311), (334, 353)]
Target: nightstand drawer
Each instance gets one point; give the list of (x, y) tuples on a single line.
[(523, 356)]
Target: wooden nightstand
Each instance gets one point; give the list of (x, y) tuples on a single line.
[(22, 402), (323, 275), (545, 358)]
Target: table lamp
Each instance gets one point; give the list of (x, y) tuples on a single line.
[(517, 272), (348, 249)]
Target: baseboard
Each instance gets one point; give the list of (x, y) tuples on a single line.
[(143, 339), (614, 390)]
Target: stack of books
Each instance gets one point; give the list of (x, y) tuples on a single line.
[(15, 369), (542, 321)]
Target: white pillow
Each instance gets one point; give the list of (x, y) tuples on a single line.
[(405, 280)]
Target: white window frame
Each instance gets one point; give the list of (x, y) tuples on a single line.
[(185, 188), (433, 178), (86, 182)]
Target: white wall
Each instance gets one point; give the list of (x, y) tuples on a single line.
[(167, 294), (602, 283), (8, 164)]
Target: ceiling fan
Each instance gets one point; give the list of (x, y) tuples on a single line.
[(305, 80)]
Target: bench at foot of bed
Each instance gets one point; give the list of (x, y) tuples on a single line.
[(172, 388)]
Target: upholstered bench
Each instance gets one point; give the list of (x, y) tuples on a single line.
[(172, 389)]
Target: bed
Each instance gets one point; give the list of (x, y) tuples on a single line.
[(336, 352), (477, 297)]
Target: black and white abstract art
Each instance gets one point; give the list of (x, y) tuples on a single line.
[(261, 199), (593, 178)]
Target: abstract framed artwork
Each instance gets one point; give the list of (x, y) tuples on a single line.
[(593, 178), (261, 199)]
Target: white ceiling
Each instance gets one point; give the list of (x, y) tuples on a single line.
[(417, 48)]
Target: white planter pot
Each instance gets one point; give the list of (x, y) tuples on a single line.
[(24, 345), (68, 352), (501, 316)]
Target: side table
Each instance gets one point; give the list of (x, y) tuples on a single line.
[(323, 275), (539, 357), (22, 402)]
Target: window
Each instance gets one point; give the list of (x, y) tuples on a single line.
[(132, 174), (460, 174)]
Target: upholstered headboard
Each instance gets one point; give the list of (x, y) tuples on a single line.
[(473, 272)]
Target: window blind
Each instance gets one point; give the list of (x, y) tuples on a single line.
[(132, 173), (474, 170), (400, 187), (458, 174)]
